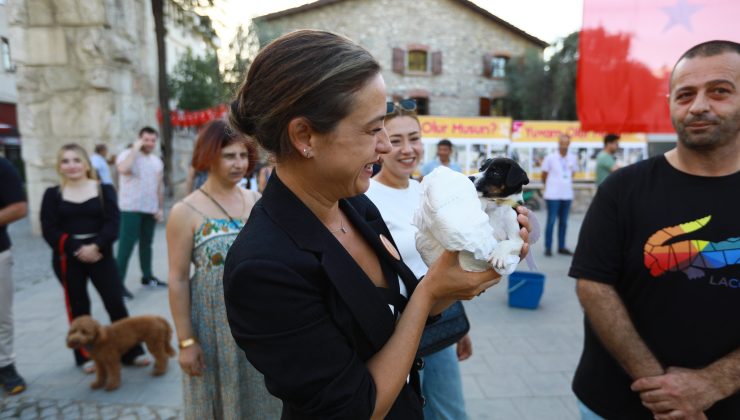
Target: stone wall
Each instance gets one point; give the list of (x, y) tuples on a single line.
[(462, 35), (84, 75)]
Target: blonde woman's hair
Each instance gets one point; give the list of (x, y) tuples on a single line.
[(82, 153)]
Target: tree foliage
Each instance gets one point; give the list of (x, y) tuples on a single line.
[(196, 82), (244, 47), (544, 90)]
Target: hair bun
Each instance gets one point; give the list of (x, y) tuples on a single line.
[(239, 121)]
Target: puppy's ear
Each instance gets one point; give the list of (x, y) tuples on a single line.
[(486, 163), (516, 176)]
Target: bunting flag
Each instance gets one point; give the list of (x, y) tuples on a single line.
[(627, 49), (182, 119)]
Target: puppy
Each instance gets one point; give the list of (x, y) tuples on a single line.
[(106, 344), (499, 185)]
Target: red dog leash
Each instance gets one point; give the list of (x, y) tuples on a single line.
[(63, 274)]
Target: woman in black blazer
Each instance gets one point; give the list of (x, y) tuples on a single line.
[(316, 293)]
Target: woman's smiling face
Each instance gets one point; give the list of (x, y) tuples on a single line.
[(407, 149), (345, 156)]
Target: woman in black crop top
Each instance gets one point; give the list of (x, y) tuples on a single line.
[(79, 220)]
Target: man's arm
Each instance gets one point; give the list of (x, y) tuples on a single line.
[(689, 392), (13, 212), (124, 167), (609, 318), (544, 177)]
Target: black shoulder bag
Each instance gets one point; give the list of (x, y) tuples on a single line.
[(446, 331)]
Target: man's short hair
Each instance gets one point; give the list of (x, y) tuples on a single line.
[(100, 148), (610, 138), (708, 49), (445, 142), (148, 130)]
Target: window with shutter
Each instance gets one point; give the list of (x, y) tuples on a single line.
[(417, 61), (498, 66)]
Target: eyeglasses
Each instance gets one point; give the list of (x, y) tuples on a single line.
[(408, 105)]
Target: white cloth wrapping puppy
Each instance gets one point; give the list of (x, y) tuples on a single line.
[(451, 216)]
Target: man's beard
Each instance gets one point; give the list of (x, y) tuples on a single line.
[(721, 132)]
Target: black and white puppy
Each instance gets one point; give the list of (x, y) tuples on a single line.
[(499, 185)]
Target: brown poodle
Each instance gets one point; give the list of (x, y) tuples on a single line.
[(106, 344)]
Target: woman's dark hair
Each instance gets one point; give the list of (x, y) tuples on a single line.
[(307, 73), (213, 137)]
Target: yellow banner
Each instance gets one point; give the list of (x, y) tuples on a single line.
[(465, 127), (549, 131)]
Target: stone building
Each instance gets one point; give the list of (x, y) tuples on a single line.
[(85, 72), (449, 55)]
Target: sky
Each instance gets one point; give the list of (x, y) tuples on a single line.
[(545, 19)]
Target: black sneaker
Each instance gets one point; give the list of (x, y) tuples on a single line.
[(565, 251), (548, 253), (11, 381), (127, 293), (152, 281)]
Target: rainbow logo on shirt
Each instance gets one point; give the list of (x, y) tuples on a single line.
[(692, 256)]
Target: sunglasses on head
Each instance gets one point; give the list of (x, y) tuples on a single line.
[(404, 104)]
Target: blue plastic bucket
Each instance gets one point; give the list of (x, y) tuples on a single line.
[(525, 289)]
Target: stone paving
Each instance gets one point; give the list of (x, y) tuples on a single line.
[(521, 368)]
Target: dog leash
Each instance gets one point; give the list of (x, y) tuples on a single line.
[(63, 274)]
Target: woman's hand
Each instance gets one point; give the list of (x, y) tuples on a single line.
[(447, 281), (523, 218), (192, 361), (464, 348), (88, 254)]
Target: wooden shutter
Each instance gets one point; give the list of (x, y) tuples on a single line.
[(485, 107), (437, 62), (487, 66), (399, 60)]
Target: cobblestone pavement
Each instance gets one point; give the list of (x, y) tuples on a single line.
[(521, 368), (27, 408)]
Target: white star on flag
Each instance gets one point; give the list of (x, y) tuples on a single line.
[(680, 14)]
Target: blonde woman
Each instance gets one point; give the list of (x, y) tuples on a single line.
[(79, 221)]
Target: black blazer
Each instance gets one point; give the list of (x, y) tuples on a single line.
[(305, 313)]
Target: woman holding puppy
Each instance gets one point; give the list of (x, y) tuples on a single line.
[(79, 221), (316, 293), (397, 196), (219, 383)]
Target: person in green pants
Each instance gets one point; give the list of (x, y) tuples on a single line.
[(141, 200)]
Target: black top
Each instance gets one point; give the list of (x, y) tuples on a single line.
[(98, 215), (669, 243), (11, 192), (305, 313)]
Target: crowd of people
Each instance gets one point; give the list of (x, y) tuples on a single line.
[(306, 297)]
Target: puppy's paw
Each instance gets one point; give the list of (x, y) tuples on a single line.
[(497, 260), (96, 384), (112, 386)]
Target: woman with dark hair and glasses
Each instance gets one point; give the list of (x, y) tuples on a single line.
[(397, 196), (219, 383), (317, 295)]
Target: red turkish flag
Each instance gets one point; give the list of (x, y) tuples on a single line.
[(627, 49)]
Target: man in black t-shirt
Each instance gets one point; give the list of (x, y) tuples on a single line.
[(12, 207), (658, 262)]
